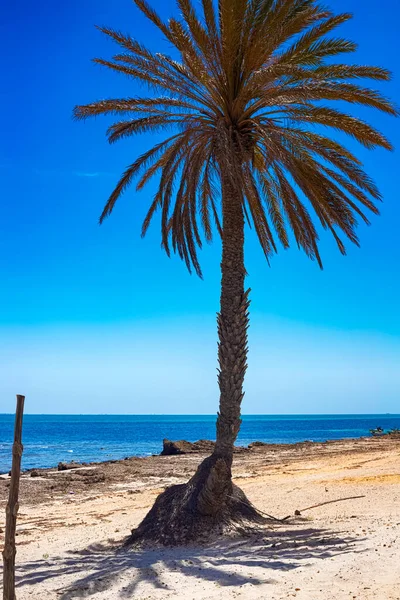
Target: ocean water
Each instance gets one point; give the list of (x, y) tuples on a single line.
[(49, 439)]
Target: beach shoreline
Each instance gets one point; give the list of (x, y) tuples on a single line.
[(49, 439), (72, 522), (76, 477), (205, 446), (208, 444)]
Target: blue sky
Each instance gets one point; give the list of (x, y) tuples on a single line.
[(95, 319)]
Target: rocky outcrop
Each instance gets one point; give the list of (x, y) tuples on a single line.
[(67, 466), (258, 444), (171, 448)]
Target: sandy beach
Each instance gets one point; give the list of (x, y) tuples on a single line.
[(72, 525)]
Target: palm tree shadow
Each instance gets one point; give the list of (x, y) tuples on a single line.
[(105, 564)]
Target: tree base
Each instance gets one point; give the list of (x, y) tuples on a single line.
[(208, 505)]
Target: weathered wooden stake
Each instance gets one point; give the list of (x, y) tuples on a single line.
[(12, 507)]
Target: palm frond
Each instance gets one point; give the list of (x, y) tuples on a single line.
[(250, 93)]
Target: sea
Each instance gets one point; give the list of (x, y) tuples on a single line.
[(49, 439)]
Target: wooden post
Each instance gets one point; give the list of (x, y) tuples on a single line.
[(12, 507)]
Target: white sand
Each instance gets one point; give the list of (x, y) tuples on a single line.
[(339, 551)]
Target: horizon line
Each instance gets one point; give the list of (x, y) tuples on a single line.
[(203, 414)]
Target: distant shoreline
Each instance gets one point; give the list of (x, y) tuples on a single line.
[(156, 471)]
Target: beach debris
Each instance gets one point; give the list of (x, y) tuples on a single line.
[(85, 472), (380, 432), (377, 431), (297, 513), (98, 477)]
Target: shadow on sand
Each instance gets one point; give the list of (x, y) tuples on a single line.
[(104, 565)]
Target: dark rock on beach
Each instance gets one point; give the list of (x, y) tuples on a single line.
[(35, 473), (257, 444), (171, 448), (67, 466)]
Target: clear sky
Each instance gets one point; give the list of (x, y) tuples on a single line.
[(95, 320)]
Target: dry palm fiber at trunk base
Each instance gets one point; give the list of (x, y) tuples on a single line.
[(186, 513)]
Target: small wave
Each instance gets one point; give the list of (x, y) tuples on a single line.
[(69, 450)]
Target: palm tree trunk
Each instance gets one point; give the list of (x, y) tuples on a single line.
[(214, 476), (232, 324), (210, 500)]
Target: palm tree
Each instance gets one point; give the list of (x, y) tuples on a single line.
[(249, 140)]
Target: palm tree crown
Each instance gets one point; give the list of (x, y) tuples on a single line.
[(243, 102)]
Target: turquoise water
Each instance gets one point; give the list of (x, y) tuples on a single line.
[(49, 439)]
